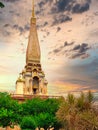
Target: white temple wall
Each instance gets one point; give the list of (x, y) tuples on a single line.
[(27, 85), (20, 87)]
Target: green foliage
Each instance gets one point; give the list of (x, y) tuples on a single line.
[(30, 114), (7, 117), (43, 120), (43, 111), (9, 111), (46, 120), (51, 105), (1, 5), (33, 107), (37, 106), (28, 123)]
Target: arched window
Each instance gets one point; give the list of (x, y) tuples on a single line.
[(35, 84)]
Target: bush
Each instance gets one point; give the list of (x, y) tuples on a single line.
[(28, 123)]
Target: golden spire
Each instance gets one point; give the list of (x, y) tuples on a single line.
[(33, 48), (33, 12)]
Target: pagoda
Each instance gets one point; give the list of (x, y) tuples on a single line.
[(32, 80)]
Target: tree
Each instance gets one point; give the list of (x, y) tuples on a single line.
[(77, 113), (85, 101), (1, 5), (43, 120), (9, 111), (67, 113), (37, 106), (42, 111), (88, 120)]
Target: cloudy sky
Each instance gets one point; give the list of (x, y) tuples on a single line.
[(68, 36)]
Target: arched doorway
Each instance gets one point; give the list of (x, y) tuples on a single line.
[(35, 85)]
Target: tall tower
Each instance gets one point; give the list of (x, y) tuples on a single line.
[(32, 79)]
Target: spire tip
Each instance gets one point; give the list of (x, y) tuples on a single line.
[(33, 12)]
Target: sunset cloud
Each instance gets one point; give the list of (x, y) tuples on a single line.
[(78, 51)]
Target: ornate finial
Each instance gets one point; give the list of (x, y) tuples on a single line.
[(33, 13)]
